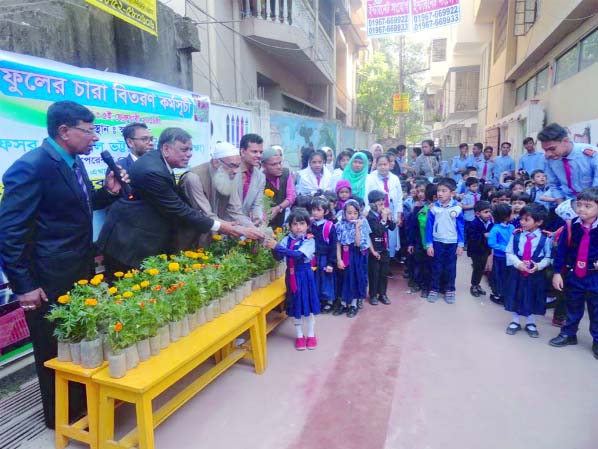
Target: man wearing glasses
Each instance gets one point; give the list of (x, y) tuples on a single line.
[(570, 167), (46, 229), (139, 140), (212, 188)]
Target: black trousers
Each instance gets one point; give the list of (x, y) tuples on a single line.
[(377, 273), (113, 265), (45, 348), (478, 263)]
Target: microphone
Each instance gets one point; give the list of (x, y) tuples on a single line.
[(109, 161)]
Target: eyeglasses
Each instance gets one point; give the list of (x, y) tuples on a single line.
[(230, 166), (144, 139), (88, 131)]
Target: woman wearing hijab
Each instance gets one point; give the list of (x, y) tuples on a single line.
[(356, 172)]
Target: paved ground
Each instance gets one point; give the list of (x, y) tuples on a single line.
[(412, 375)]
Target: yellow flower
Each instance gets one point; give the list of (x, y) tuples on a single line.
[(119, 274), (127, 295), (204, 257), (117, 297), (128, 275), (163, 256), (136, 288), (83, 282), (191, 254), (134, 271), (278, 230), (217, 237), (144, 284), (95, 281), (269, 193), (99, 276), (174, 266), (172, 257), (112, 290), (187, 270), (91, 302), (153, 271), (64, 299), (196, 266), (242, 243)]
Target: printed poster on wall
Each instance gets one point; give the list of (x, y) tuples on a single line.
[(429, 14), (387, 17), (139, 13)]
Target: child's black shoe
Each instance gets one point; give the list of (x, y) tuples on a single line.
[(374, 300), (339, 309), (327, 308), (360, 303), (424, 294), (384, 299), (351, 312), (474, 291), (480, 290)]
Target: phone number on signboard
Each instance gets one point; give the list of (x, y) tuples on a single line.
[(373, 31), (434, 23)]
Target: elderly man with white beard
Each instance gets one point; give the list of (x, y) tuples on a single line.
[(212, 188)]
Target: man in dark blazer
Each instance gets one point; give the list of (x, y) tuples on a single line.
[(46, 227), (145, 226)]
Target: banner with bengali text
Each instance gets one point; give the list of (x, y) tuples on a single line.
[(139, 13), (429, 14)]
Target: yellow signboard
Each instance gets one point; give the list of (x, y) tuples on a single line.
[(400, 102), (139, 13)]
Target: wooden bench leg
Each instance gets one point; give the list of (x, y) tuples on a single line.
[(92, 394), (106, 418), (263, 331), (257, 348), (145, 422), (62, 409)]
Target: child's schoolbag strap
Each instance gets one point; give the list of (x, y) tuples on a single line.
[(516, 238), (540, 248)]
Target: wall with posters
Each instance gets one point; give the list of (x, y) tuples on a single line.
[(584, 132)]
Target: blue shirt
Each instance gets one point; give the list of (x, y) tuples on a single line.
[(535, 241), (502, 164), (67, 157), (498, 238), (531, 162), (460, 164), (583, 161), (470, 199), (489, 171), (536, 192)]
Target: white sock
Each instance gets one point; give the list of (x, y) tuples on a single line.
[(299, 327), (531, 320), (515, 318), (354, 303), (311, 325)]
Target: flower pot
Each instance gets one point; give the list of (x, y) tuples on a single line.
[(209, 311), (281, 268), (117, 365), (174, 328), (264, 280), (64, 352), (164, 334), (144, 350), (92, 354), (247, 288), (201, 315), (185, 326), (217, 310), (255, 283), (132, 356), (239, 294), (232, 299), (192, 317), (75, 353), (106, 349), (155, 343)]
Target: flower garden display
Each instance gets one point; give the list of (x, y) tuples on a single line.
[(144, 310)]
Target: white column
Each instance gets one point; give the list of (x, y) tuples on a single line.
[(258, 8), (276, 10), (285, 11), (246, 8)]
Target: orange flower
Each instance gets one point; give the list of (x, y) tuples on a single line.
[(119, 274), (118, 301), (249, 240), (242, 243), (278, 230), (118, 327), (83, 282), (152, 300), (91, 302), (187, 270), (64, 299), (191, 254), (269, 193), (181, 284), (142, 305), (95, 282), (168, 291), (158, 288)]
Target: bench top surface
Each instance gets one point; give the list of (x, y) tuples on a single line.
[(179, 353), (71, 368), (268, 295)]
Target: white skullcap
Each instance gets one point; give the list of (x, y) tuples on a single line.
[(277, 148), (224, 149), (565, 210)]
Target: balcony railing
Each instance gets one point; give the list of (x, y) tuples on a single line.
[(274, 10)]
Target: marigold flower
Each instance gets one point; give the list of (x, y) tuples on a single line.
[(136, 288), (181, 284), (144, 284), (204, 257), (158, 288), (119, 274), (187, 270), (99, 276), (134, 271), (249, 241), (174, 266), (172, 257), (64, 299), (191, 254), (95, 282), (217, 237), (242, 243), (142, 304), (196, 266), (127, 295), (112, 290), (128, 275), (278, 230), (153, 271), (269, 193), (163, 256), (118, 327), (152, 300), (91, 302), (118, 301), (169, 291), (82, 282)]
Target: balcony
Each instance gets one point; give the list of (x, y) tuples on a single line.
[(289, 31)]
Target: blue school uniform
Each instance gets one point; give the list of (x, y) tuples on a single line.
[(324, 233), (354, 276), (526, 295), (302, 294), (498, 239)]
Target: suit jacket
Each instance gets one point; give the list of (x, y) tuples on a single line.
[(146, 225), (126, 162), (46, 223), (253, 203)]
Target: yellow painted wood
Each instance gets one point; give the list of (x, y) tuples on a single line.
[(71, 368)]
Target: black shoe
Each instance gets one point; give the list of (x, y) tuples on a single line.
[(339, 309), (384, 299), (480, 291), (595, 349), (474, 291), (563, 340), (424, 293), (373, 300), (415, 288), (327, 308), (496, 299), (532, 330), (351, 312), (513, 328), (360, 303)]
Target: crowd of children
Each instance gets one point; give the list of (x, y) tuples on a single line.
[(338, 252)]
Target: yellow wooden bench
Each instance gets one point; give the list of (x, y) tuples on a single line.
[(142, 384), (267, 299), (69, 372)]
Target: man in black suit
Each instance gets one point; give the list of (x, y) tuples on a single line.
[(145, 226), (46, 227), (139, 140)]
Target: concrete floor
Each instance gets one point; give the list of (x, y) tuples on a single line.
[(412, 375)]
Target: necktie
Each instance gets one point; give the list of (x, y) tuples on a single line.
[(581, 265), (246, 183), (527, 252), (81, 181), (568, 174), (386, 203), (291, 264), (476, 198), (485, 169), (318, 177)]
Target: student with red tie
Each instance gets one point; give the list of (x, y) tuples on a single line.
[(528, 252), (576, 270)]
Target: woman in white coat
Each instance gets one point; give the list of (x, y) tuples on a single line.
[(315, 176)]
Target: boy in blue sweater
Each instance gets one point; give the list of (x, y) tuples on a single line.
[(498, 239), (444, 239)]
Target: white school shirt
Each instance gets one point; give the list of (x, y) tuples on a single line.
[(395, 192), (308, 183)]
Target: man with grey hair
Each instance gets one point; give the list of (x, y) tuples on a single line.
[(212, 189), (142, 227), (281, 182)]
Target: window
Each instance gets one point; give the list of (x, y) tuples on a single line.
[(530, 90), (542, 80), (525, 16), (438, 50), (532, 87), (500, 29), (520, 94), (582, 55)]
